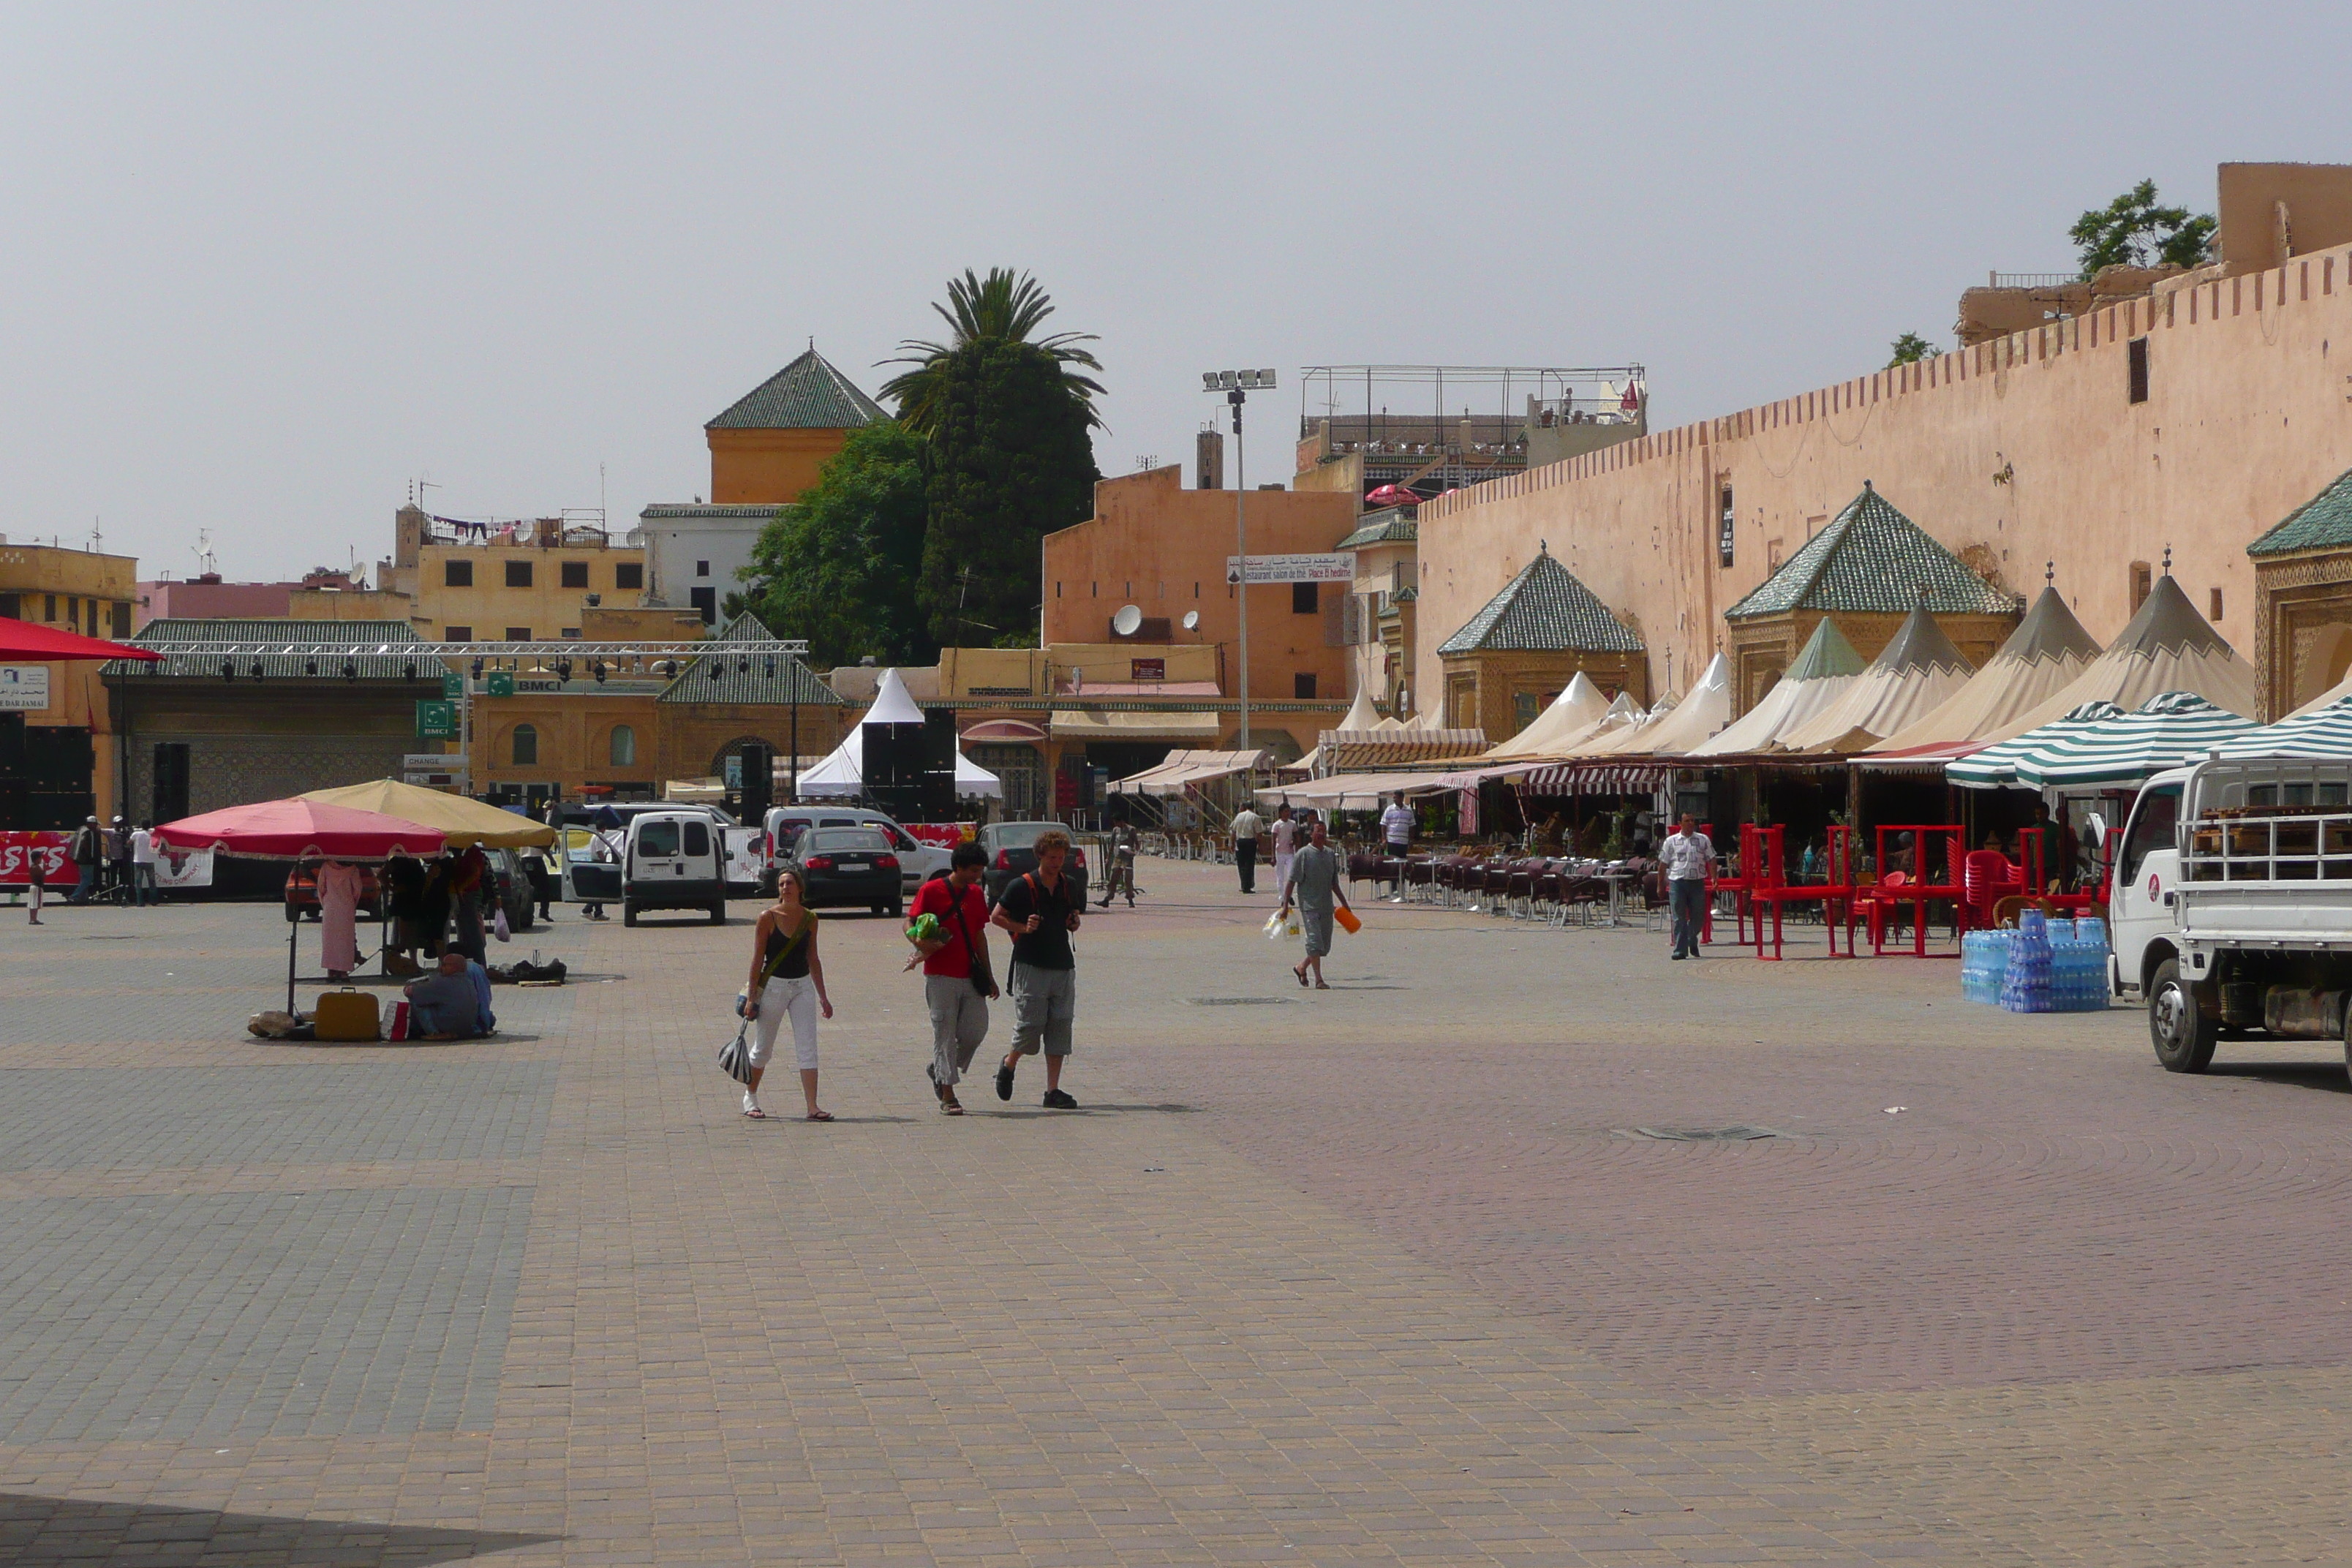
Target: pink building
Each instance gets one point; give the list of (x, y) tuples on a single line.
[(207, 598)]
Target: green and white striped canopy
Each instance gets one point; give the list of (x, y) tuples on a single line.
[(2324, 734), (1995, 767), (2167, 730)]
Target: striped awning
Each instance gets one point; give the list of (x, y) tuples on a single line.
[(2323, 734), (1995, 767), (2128, 749), (1597, 778)]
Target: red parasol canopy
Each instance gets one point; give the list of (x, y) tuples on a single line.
[(299, 829), (23, 639), (1391, 495)]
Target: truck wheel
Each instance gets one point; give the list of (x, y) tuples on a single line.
[(719, 913), (2183, 1035), (628, 913), (898, 909)]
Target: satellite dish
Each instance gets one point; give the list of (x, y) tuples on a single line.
[(1191, 620), (1129, 621)]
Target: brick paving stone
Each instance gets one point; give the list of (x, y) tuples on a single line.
[(1366, 1276)]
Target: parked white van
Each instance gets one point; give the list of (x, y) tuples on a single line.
[(673, 860)]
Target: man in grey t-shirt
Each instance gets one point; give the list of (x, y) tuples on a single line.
[(445, 1003)]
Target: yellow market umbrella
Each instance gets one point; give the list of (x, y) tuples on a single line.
[(460, 820)]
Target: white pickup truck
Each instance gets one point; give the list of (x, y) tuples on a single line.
[(2232, 908)]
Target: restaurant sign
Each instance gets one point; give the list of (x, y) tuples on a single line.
[(1335, 568)]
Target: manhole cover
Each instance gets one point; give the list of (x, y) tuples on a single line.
[(1695, 1134), (1238, 1001)]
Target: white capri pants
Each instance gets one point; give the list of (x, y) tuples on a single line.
[(778, 999)]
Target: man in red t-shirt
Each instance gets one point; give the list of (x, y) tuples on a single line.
[(959, 1006)]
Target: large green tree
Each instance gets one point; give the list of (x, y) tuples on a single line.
[(1007, 419), (840, 566), (2135, 230)]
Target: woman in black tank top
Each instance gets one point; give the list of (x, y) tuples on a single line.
[(786, 984)]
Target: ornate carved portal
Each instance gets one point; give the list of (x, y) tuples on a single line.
[(2302, 627)]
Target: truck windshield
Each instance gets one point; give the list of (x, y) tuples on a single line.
[(2152, 826), (658, 838)]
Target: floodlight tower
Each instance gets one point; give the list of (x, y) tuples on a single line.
[(1237, 385)]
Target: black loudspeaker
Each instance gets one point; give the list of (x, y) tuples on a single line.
[(893, 769), (169, 802), (939, 765), (759, 782)]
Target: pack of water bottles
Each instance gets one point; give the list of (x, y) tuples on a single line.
[(2043, 966), (2078, 965), (1984, 960), (2025, 984)]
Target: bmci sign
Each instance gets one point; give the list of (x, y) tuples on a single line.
[(23, 687)]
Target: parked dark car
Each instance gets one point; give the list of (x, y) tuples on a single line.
[(849, 865), (1012, 851)]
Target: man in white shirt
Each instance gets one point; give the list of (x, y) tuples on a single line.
[(1286, 844), (1686, 858), (1396, 829), (1247, 826), (143, 865)]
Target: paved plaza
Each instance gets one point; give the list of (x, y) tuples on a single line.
[(1387, 1274)]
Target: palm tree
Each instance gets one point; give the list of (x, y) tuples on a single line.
[(997, 309)]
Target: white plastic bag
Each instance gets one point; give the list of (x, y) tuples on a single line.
[(1279, 925), (499, 926)]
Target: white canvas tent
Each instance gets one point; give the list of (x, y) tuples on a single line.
[(1914, 674), (1705, 709), (2042, 657), (842, 776), (1578, 708), (1826, 668), (2167, 646)]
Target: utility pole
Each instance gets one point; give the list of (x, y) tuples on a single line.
[(1237, 385)]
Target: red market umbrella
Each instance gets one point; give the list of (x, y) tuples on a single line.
[(23, 639), (1391, 495), (301, 830)]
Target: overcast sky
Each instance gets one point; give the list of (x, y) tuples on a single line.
[(264, 268)]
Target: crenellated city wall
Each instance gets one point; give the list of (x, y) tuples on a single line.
[(2012, 453)]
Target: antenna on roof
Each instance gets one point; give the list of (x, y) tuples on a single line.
[(2048, 572), (2168, 559)]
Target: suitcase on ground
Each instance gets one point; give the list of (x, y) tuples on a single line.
[(344, 1015)]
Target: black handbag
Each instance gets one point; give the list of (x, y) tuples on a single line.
[(983, 980)]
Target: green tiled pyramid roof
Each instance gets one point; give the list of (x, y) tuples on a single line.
[(1871, 559), (807, 394), (1390, 525), (2322, 523), (358, 635), (1544, 609), (717, 677)]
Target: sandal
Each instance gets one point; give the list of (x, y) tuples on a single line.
[(951, 1106), (1320, 986), (756, 1114), (820, 1116), (1301, 973)]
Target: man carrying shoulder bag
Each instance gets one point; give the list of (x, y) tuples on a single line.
[(957, 982)]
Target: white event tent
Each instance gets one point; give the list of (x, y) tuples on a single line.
[(1825, 669), (842, 776)]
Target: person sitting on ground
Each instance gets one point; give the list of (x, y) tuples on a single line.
[(445, 1006)]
